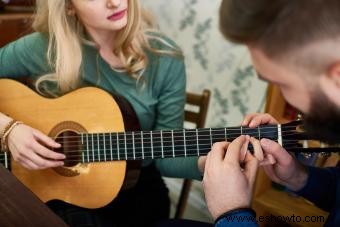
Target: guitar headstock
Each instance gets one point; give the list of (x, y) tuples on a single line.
[(296, 139)]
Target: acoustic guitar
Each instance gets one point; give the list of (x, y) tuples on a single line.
[(89, 124)]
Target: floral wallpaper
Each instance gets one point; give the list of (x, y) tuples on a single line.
[(212, 63)]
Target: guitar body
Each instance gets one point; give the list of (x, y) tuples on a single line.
[(89, 110)]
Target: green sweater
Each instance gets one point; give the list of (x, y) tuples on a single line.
[(159, 105)]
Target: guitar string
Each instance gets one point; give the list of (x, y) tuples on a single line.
[(155, 156), (165, 136), (189, 139), (177, 140), (283, 129), (122, 154)]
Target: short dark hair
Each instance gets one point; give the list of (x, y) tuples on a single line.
[(278, 26)]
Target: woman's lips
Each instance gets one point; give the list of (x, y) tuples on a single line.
[(117, 16)]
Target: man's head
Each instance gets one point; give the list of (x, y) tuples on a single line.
[(296, 45)]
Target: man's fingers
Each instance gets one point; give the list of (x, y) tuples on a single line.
[(218, 151), (234, 149), (268, 160), (262, 119), (258, 153), (248, 118), (250, 168), (274, 149), (252, 162), (270, 172)]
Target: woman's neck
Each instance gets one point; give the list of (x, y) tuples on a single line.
[(105, 41)]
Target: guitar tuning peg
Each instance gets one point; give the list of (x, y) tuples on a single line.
[(299, 117), (306, 155), (325, 154)]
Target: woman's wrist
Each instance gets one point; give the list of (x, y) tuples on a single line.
[(4, 120)]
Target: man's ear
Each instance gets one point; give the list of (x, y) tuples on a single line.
[(334, 73), (330, 82)]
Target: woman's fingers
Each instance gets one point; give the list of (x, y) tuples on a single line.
[(45, 139), (47, 153)]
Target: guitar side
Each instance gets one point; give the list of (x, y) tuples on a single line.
[(85, 110)]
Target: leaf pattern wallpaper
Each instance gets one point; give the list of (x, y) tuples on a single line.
[(212, 62)]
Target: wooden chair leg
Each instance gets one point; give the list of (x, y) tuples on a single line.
[(183, 199)]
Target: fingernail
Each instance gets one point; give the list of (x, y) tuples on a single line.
[(252, 124), (265, 142)]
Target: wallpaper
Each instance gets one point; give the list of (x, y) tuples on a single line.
[(212, 62)]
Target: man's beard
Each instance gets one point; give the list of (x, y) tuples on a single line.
[(323, 120)]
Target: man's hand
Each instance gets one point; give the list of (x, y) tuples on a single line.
[(285, 169), (227, 185)]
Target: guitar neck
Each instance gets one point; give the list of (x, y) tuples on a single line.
[(99, 147)]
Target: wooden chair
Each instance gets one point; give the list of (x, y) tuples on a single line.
[(269, 201), (200, 101)]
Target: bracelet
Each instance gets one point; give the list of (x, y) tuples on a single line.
[(7, 127), (7, 131), (236, 211)]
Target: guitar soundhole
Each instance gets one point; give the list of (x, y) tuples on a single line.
[(71, 147)]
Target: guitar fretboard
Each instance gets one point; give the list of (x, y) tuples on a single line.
[(99, 147)]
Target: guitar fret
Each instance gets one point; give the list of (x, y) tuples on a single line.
[(87, 148), (211, 143), (173, 143), (279, 134), (92, 147), (82, 143), (259, 132), (118, 152), (98, 149), (133, 146), (152, 156), (241, 130), (197, 143), (125, 146), (185, 143), (104, 147), (162, 144), (141, 135), (225, 134), (6, 160), (111, 146)]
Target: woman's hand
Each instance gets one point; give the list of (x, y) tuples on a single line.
[(29, 147)]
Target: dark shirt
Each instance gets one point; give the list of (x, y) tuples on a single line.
[(322, 188)]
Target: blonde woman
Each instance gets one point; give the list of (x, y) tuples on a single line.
[(103, 43)]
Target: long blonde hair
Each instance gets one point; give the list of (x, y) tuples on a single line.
[(66, 33)]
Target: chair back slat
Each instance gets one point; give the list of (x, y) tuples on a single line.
[(200, 102)]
